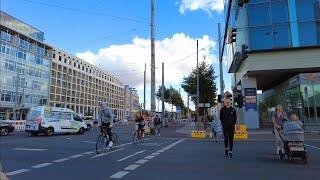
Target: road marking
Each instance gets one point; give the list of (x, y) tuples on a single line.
[(132, 167), (121, 145), (119, 174), (155, 154), (142, 161), (69, 138), (91, 142), (160, 151), (103, 154), (312, 146), (134, 154), (60, 160), (89, 152), (76, 156), (149, 157), (28, 149), (41, 165), (17, 172)]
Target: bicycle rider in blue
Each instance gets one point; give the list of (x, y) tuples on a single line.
[(106, 120), (140, 122)]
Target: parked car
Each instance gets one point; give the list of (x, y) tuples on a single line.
[(6, 128), (53, 120)]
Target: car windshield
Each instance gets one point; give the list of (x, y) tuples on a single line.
[(32, 115)]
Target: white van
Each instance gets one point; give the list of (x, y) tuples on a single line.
[(52, 120)]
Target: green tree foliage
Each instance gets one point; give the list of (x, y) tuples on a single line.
[(207, 89), (171, 96)]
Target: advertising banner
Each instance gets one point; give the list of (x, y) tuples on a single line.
[(250, 99)]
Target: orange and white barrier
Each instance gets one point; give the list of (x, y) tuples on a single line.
[(19, 125)]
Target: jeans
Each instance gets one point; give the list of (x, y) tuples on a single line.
[(279, 142), (228, 132)]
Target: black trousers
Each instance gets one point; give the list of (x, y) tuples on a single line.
[(107, 129), (228, 132)]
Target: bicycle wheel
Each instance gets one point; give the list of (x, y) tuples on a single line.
[(100, 144), (135, 138), (114, 140)]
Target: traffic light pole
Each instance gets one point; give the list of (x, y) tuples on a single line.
[(220, 65)]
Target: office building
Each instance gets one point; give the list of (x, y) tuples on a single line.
[(25, 62), (282, 41)]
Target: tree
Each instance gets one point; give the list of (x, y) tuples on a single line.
[(207, 89), (171, 96)]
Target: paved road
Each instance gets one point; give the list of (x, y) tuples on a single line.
[(73, 157)]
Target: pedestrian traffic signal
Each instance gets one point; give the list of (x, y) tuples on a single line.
[(232, 34), (244, 52), (239, 101), (242, 2)]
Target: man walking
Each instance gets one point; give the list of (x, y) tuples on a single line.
[(228, 118), (157, 124)]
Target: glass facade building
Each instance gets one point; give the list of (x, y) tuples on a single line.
[(25, 63), (283, 42), (300, 95), (276, 24)]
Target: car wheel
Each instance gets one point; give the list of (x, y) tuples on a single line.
[(4, 131), (81, 131), (88, 127), (49, 132)]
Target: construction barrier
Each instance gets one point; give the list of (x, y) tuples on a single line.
[(198, 134), (19, 125), (241, 132)]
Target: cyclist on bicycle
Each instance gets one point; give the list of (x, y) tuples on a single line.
[(106, 121), (140, 122)]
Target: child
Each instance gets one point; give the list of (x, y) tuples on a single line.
[(295, 118)]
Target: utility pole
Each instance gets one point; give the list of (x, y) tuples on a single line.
[(188, 108), (16, 97), (162, 93), (144, 88), (153, 83), (198, 95), (220, 65), (130, 105)]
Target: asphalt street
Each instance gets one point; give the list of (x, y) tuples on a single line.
[(171, 156)]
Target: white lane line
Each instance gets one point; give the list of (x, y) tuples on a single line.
[(125, 144), (149, 157), (119, 174), (41, 165), (155, 154), (160, 151), (76, 156), (141, 161), (89, 152), (132, 167), (103, 154), (28, 149), (17, 172), (91, 142), (312, 146), (60, 160), (134, 154)]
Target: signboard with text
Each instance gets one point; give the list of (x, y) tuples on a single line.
[(250, 99)]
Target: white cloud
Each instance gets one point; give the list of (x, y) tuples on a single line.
[(206, 5), (127, 61)]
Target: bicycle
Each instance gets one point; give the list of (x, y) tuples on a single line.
[(103, 141), (137, 135)]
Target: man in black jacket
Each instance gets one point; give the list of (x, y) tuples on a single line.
[(228, 118)]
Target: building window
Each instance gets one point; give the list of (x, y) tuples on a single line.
[(282, 36), (54, 56), (59, 58), (309, 33), (65, 60), (261, 38), (259, 14), (279, 12), (308, 10)]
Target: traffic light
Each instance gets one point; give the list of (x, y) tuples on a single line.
[(241, 2), (232, 34), (239, 101), (244, 52), (219, 98)]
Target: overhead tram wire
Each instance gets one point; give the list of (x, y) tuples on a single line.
[(90, 12)]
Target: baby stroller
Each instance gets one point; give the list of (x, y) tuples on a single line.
[(217, 130), (292, 136)]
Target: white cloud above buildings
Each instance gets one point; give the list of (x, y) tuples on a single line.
[(178, 52), (206, 5)]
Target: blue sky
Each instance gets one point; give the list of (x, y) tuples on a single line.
[(100, 31)]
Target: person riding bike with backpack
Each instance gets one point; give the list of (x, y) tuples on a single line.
[(106, 121), (140, 123)]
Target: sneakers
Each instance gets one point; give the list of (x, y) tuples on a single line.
[(230, 154), (159, 134), (110, 144), (226, 153)]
